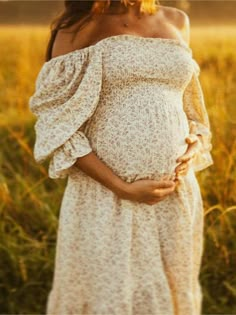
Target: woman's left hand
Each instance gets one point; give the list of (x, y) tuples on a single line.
[(194, 144)]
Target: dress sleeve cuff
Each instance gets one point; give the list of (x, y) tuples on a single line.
[(66, 155), (203, 157)]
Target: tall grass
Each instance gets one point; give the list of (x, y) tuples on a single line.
[(30, 201)]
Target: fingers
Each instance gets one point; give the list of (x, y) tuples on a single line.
[(181, 173), (189, 154), (186, 157), (181, 167), (153, 202), (191, 138), (159, 192), (164, 184)]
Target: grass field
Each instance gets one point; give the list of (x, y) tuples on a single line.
[(30, 201)]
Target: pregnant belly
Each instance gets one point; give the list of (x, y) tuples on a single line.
[(140, 145)]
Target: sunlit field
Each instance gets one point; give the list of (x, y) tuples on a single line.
[(30, 201)]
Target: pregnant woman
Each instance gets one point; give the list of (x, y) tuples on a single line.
[(120, 112)]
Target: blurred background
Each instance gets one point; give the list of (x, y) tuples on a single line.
[(30, 201), (35, 12)]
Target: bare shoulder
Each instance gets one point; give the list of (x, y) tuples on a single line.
[(69, 39), (62, 43), (179, 19)]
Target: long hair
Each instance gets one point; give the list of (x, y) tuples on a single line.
[(83, 11)]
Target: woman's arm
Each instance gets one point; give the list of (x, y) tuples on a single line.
[(95, 168), (148, 191)]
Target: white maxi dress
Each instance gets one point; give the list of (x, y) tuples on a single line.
[(130, 100)]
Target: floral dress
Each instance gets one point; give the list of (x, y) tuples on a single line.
[(130, 100)]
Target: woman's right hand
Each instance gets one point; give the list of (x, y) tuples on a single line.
[(149, 191)]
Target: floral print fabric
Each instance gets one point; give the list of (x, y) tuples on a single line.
[(130, 100)]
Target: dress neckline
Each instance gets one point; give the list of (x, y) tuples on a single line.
[(102, 41)]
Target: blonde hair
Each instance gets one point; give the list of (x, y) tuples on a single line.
[(147, 6)]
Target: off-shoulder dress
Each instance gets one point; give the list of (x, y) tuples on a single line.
[(130, 100)]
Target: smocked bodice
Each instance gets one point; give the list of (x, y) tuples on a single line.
[(128, 98)]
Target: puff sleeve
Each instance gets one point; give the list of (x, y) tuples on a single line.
[(66, 95), (195, 110)]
